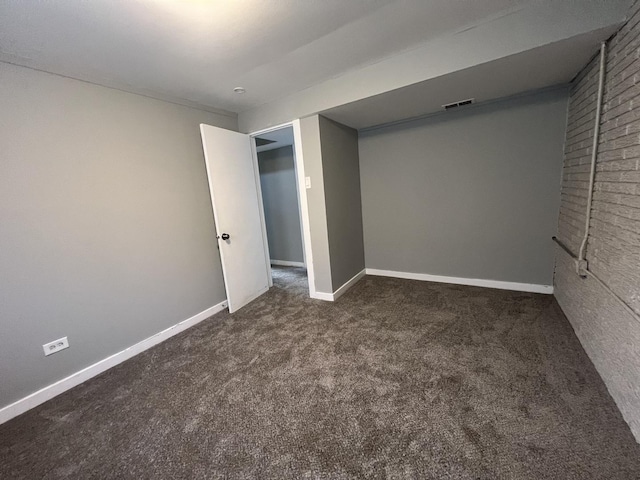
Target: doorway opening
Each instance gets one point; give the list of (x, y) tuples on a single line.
[(280, 195)]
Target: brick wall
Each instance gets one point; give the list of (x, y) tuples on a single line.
[(577, 159), (609, 333)]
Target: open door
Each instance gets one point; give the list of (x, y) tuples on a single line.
[(235, 200)]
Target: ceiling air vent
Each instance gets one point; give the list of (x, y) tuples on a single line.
[(461, 103)]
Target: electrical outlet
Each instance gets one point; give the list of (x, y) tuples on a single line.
[(55, 346)]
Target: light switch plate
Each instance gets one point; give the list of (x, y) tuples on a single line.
[(307, 182)]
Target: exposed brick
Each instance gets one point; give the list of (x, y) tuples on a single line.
[(620, 142), (613, 93), (630, 72), (606, 156), (630, 225), (618, 63), (617, 187), (613, 249), (586, 124), (617, 111), (617, 210), (617, 165), (584, 103), (628, 94), (609, 125), (631, 152), (574, 202), (575, 211), (578, 114), (614, 133), (626, 35), (607, 231), (579, 168), (620, 177), (610, 335), (629, 200), (628, 117)]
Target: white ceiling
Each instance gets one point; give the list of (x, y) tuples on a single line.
[(197, 51), (546, 66), (360, 62), (528, 27)]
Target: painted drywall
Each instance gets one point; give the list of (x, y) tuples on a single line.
[(107, 234), (280, 200), (472, 193), (341, 174), (528, 26), (609, 332), (316, 206)]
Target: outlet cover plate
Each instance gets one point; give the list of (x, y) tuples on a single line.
[(55, 346)]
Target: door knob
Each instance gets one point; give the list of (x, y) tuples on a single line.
[(225, 236)]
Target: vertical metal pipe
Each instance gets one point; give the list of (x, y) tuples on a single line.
[(581, 263)]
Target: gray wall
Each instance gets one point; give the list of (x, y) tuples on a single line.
[(609, 332), (107, 234), (280, 200), (472, 193), (341, 176)]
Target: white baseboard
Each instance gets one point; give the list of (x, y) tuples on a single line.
[(286, 263), (476, 282), (30, 401), (350, 283), (331, 297), (328, 297)]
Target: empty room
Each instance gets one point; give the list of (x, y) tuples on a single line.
[(288, 239)]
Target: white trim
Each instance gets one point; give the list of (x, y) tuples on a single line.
[(295, 171), (302, 199), (33, 400), (304, 208), (332, 297), (327, 297), (286, 263), (350, 283), (272, 129), (476, 282)]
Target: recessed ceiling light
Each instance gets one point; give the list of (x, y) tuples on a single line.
[(239, 90)]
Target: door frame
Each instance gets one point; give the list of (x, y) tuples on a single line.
[(302, 199)]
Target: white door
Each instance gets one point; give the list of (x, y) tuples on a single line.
[(235, 199)]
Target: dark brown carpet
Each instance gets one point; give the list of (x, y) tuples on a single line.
[(398, 379)]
